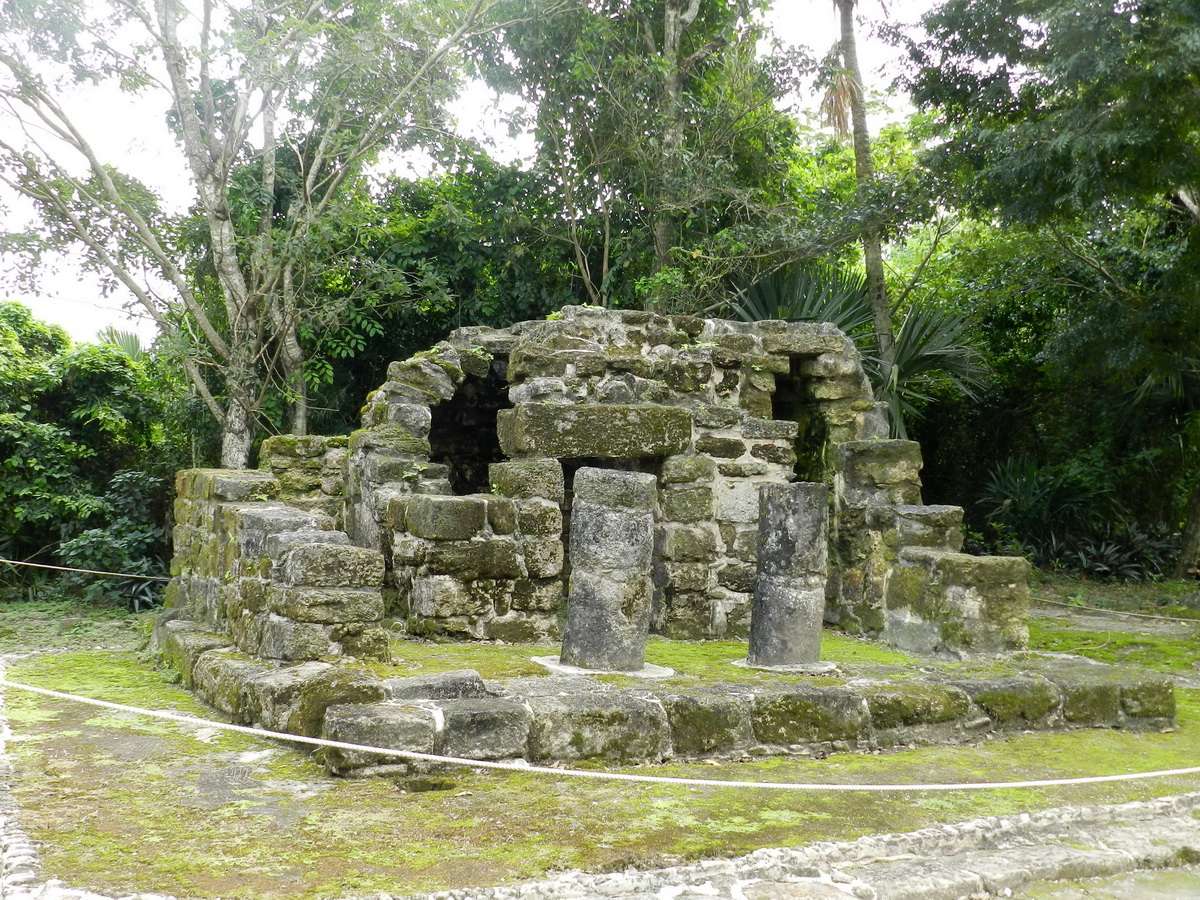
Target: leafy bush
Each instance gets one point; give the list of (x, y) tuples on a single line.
[(131, 543)]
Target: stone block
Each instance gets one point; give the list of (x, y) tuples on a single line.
[(277, 545), (1146, 696), (770, 429), (390, 724), (774, 453), (501, 515), (461, 684), (527, 479), (415, 418), (445, 518), (737, 576), (880, 471), (294, 699), (908, 704), (326, 606), (792, 529), (937, 527), (686, 469), (688, 503), (362, 640), (539, 517), (592, 724), (588, 430), (435, 374), (736, 500), (723, 447), (220, 678), (330, 565), (800, 714), (442, 596), (938, 601), (615, 489), (240, 485), (495, 557), (484, 729), (181, 642), (388, 441), (291, 641), (1015, 701), (255, 525), (708, 723), (696, 577), (544, 557), (544, 595), (610, 539), (687, 543), (745, 468), (607, 622)]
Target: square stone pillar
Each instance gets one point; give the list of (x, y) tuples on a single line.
[(793, 565), (612, 546)]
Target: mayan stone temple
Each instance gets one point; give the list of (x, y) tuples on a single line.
[(592, 480)]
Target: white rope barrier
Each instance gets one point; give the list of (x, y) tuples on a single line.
[(588, 774), (20, 562)]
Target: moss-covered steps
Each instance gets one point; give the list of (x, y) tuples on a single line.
[(558, 718)]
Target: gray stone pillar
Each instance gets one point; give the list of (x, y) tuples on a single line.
[(611, 545), (793, 563)]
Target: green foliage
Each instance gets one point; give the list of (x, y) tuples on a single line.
[(807, 293), (70, 418), (130, 542)]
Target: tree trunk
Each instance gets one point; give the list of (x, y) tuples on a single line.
[(292, 358), (235, 436), (1189, 553), (864, 171)]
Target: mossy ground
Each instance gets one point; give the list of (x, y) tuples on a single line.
[(120, 804)]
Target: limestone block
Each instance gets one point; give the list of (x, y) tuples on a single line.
[(687, 503), (697, 577), (902, 705), (330, 565), (941, 601), (390, 441), (723, 447), (220, 677), (239, 485), (735, 500), (687, 543), (686, 469), (326, 605), (542, 389), (792, 526), (484, 729), (544, 595), (461, 684), (291, 641), (799, 714), (527, 479), (939, 527), (615, 489), (496, 557), (589, 430), (709, 723), (441, 596), (737, 576), (745, 468), (445, 518), (880, 471), (437, 377), (611, 539), (607, 622), (1148, 697), (544, 557), (362, 640), (294, 699), (1014, 701), (254, 525), (390, 724), (717, 417), (770, 429), (501, 515), (539, 517), (774, 452), (277, 545), (181, 642), (610, 725), (804, 339), (414, 418)]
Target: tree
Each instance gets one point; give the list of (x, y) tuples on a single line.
[(848, 95), (324, 88), (1049, 113), (656, 123)]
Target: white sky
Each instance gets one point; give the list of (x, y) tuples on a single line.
[(129, 132)]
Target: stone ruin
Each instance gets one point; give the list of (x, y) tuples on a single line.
[(593, 478)]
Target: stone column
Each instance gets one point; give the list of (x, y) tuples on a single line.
[(611, 546), (793, 563)]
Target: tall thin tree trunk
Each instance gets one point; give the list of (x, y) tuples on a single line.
[(292, 356), (864, 171), (1189, 553)]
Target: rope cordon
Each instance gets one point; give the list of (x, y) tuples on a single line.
[(585, 773)]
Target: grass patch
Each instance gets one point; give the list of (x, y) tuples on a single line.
[(1153, 651)]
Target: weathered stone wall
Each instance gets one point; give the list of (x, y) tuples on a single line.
[(279, 581), (311, 471)]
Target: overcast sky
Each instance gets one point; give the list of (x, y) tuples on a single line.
[(129, 133)]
